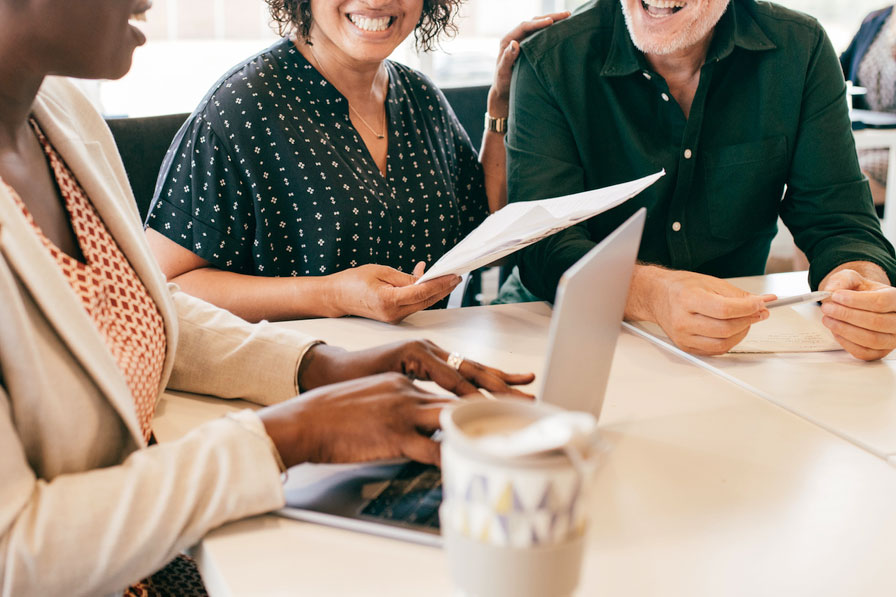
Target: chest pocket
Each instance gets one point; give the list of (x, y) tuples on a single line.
[(744, 185)]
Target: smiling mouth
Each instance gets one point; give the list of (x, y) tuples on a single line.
[(373, 24), (662, 8)]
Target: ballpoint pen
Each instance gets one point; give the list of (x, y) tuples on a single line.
[(818, 295)]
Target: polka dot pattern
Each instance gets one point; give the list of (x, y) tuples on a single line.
[(269, 176), (110, 291)]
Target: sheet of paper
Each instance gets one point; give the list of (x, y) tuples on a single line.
[(788, 329), (520, 224)]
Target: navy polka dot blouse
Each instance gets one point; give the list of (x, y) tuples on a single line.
[(269, 176)]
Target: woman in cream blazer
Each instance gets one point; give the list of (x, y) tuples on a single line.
[(85, 506), (66, 409)]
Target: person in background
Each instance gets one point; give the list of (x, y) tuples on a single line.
[(743, 104), (91, 336), (870, 62), (314, 175)]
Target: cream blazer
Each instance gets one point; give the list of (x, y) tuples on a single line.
[(84, 508)]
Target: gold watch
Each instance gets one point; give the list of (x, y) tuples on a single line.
[(496, 125)]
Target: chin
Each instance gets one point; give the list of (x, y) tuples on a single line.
[(114, 68), (119, 72)]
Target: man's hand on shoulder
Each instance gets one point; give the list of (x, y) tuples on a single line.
[(861, 312), (701, 314)]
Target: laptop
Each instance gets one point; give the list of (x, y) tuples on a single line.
[(401, 499)]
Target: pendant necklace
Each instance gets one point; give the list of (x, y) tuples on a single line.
[(380, 135)]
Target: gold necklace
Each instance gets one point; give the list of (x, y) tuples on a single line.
[(351, 108)]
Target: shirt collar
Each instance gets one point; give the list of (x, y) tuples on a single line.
[(736, 28)]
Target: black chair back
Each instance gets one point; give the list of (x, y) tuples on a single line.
[(469, 105), (142, 143)]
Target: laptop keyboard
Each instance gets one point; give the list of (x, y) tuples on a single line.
[(412, 497)]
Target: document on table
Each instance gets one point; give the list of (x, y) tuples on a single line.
[(788, 329), (520, 224)]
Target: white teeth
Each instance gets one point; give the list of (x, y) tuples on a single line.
[(664, 3), (368, 24)]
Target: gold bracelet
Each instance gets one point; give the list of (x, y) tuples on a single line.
[(495, 125)]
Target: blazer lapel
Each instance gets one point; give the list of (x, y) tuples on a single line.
[(49, 288), (39, 272)]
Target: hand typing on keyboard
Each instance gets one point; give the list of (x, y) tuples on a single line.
[(363, 405)]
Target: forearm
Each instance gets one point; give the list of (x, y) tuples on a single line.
[(98, 531), (492, 155), (257, 297), (494, 165), (220, 354)]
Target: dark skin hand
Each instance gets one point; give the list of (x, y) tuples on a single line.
[(363, 405), (417, 359), (374, 417)]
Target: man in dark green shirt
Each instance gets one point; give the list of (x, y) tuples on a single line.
[(743, 104)]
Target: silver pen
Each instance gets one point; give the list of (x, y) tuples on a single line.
[(818, 295)]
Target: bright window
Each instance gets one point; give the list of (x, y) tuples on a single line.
[(193, 42)]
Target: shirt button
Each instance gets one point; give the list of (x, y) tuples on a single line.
[(687, 154), (665, 97), (646, 75), (676, 226)]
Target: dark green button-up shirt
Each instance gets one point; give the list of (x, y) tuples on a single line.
[(768, 135)]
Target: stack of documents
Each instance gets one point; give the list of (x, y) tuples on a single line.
[(521, 224)]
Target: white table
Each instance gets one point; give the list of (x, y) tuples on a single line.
[(848, 397), (705, 488)]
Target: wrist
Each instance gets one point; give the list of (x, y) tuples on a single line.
[(332, 296), (283, 425), (495, 125), (320, 366), (641, 303), (497, 104), (866, 269)]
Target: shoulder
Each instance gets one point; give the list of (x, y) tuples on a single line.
[(247, 77), (593, 20), (411, 81), (64, 111), (781, 24), (62, 100), (67, 115)]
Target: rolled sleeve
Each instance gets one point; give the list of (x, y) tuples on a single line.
[(828, 205), (220, 354)]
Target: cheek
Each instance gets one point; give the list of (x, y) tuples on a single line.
[(111, 54), (414, 13)]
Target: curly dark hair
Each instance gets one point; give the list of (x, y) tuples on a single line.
[(437, 18)]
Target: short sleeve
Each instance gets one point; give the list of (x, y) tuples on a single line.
[(201, 202)]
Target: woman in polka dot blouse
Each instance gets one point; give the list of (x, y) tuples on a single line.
[(315, 175)]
